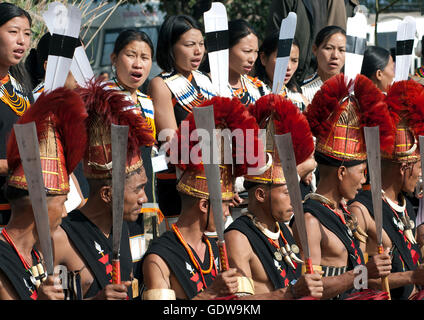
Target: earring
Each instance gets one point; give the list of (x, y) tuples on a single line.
[(113, 69)]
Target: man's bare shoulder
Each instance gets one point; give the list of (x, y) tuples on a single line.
[(156, 272), (357, 207), (65, 252), (311, 220), (237, 237)]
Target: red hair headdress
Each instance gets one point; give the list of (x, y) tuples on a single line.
[(279, 116), (405, 100), (337, 118), (104, 107), (229, 114), (59, 117)]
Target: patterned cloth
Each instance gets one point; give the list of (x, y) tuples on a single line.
[(420, 72), (144, 103), (311, 86), (251, 90)]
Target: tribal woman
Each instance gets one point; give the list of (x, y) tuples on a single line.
[(378, 65), (131, 59), (265, 65), (243, 43), (179, 88), (15, 38), (329, 49)]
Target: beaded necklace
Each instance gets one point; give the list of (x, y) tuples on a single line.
[(420, 72), (193, 258), (37, 271), (16, 102)]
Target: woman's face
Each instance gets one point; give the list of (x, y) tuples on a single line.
[(331, 54), (189, 51), (243, 54), (15, 38), (269, 63), (293, 63), (133, 64), (385, 77)]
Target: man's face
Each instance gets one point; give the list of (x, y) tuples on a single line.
[(411, 175), (281, 208), (134, 195), (57, 210), (211, 227), (352, 180)]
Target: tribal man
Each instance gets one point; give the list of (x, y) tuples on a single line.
[(61, 144), (183, 263), (84, 242), (336, 119), (260, 244), (401, 169)]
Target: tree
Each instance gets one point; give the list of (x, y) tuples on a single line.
[(36, 8), (255, 12)]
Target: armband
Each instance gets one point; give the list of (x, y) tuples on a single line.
[(245, 286), (159, 294)]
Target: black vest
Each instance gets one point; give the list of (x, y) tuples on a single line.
[(96, 250), (279, 272), (170, 249), (14, 270), (405, 255), (333, 223)]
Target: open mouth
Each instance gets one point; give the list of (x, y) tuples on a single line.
[(195, 62), (137, 75), (19, 52)]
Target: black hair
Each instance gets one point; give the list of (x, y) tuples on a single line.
[(128, 35), (250, 184), (325, 33), (14, 194), (34, 63), (268, 46), (11, 193), (238, 29), (170, 32), (8, 11), (375, 58)]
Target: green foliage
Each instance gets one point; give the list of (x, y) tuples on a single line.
[(254, 11)]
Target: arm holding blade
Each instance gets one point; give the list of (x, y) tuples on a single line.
[(288, 162), (27, 140), (372, 141)]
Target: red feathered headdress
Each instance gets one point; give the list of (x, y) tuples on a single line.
[(104, 107), (59, 117), (229, 114), (405, 100), (337, 119), (279, 116)]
